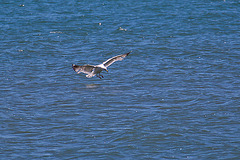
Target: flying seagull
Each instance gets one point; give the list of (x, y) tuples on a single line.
[(92, 70)]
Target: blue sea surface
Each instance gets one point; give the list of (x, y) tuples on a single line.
[(176, 96)]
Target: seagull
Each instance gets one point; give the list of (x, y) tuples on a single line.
[(92, 70)]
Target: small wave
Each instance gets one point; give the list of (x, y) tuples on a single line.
[(122, 29), (53, 32)]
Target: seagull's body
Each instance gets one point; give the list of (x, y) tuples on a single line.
[(92, 70)]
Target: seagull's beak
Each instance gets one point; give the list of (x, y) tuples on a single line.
[(106, 70)]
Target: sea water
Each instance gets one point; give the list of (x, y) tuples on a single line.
[(176, 96)]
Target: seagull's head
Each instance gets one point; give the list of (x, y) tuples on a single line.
[(103, 67)]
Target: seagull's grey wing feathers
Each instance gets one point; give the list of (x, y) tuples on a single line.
[(87, 69), (114, 59)]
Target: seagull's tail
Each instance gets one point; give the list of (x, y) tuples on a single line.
[(89, 76)]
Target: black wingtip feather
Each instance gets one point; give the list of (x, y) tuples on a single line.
[(129, 53), (74, 67)]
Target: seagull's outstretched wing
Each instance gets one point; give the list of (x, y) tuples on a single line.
[(114, 59), (87, 69)]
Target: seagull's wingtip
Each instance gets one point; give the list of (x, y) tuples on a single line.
[(129, 53)]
